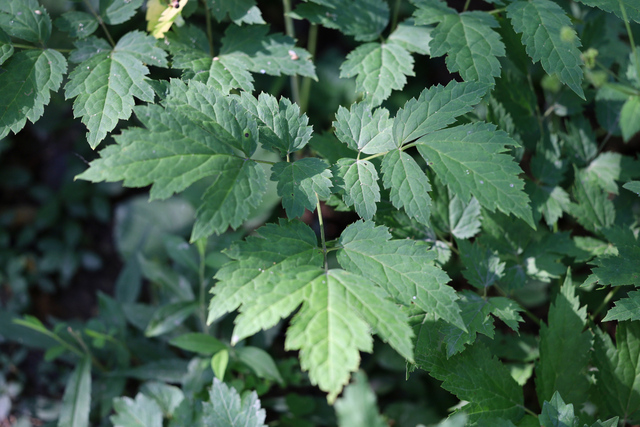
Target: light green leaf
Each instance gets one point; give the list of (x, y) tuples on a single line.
[(357, 407), (226, 409), (404, 268), (301, 183), (630, 118), (219, 362), (282, 128), (469, 160), (633, 186), (632, 8), (620, 269), (414, 38), (549, 38), (605, 170), (198, 342), (436, 108), (168, 317), (363, 130), (76, 402), (26, 20), (266, 53), (25, 84), (474, 376), (472, 47), (483, 266), (625, 308), (168, 397), (618, 374), (118, 11), (549, 202), (77, 24), (240, 11), (363, 19), (141, 412), (360, 186), (594, 211), (223, 73), (464, 218), (431, 11), (379, 69), (105, 84), (260, 362), (557, 413), (409, 186), (564, 334)]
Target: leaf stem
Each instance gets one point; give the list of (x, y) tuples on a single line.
[(86, 349), (312, 44), (207, 17), (466, 5), (605, 302), (630, 35), (101, 22), (288, 25), (26, 46), (396, 12), (373, 156), (201, 244), (322, 238)]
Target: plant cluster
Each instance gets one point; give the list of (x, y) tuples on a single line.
[(492, 239)]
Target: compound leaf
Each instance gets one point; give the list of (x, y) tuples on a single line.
[(26, 20), (379, 69), (404, 268), (300, 183), (549, 38), (435, 108), (227, 409), (105, 84), (28, 78), (363, 130), (470, 160), (625, 308), (409, 186), (564, 333), (360, 186), (471, 45), (141, 412)]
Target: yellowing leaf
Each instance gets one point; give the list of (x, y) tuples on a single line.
[(161, 16)]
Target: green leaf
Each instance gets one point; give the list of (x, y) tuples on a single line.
[(549, 38), (633, 186), (630, 118), (618, 389), (168, 317), (282, 128), (266, 53), (549, 202), (620, 269), (168, 397), (431, 11), (483, 266), (76, 402), (464, 218), (604, 171), (118, 11), (379, 69), (625, 308), (26, 20), (557, 413), (28, 78), (105, 84), (260, 362), (86, 48), (363, 19), (469, 160), (632, 8), (198, 342), (77, 24), (357, 407), (594, 211), (141, 412), (240, 11), (301, 183), (409, 186), (413, 38), (564, 334), (363, 130), (474, 376), (404, 268), (436, 108), (226, 409), (472, 47), (6, 48), (219, 362), (360, 186)]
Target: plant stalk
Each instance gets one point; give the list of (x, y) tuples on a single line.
[(101, 22), (207, 17), (630, 35), (288, 25), (322, 237), (312, 44), (396, 12)]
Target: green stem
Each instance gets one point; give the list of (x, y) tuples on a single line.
[(466, 5), (322, 238), (288, 24), (101, 22), (306, 81), (26, 46), (373, 156), (207, 17), (529, 314), (202, 245), (86, 349), (496, 11), (396, 12), (605, 302), (630, 35)]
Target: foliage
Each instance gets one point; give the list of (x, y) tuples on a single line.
[(482, 236)]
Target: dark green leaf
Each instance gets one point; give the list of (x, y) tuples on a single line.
[(363, 130), (240, 11), (360, 186), (76, 402), (77, 24), (625, 308), (260, 362), (118, 11), (26, 20), (198, 342), (301, 183), (169, 317)]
